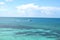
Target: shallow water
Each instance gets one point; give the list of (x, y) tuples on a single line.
[(24, 34)]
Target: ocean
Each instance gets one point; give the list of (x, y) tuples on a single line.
[(26, 28)]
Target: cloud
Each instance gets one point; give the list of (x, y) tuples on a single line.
[(33, 10), (8, 0), (1, 3)]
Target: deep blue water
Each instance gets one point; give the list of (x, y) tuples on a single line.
[(31, 22)]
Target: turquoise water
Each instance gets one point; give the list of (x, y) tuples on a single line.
[(15, 28), (18, 34)]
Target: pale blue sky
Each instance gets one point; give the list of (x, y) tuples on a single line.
[(30, 8)]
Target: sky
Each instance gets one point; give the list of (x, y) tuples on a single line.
[(30, 8)]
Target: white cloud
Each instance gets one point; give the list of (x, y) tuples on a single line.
[(1, 3), (32, 10), (8, 0)]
